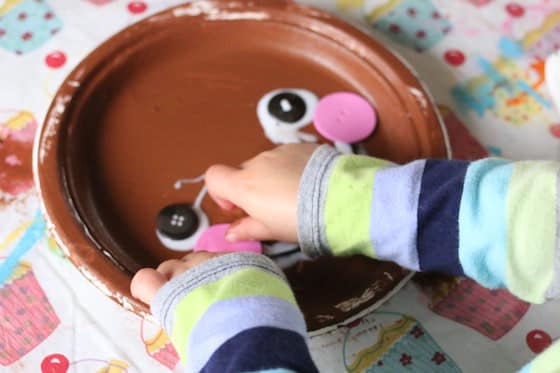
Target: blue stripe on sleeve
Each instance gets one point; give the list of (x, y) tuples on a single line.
[(438, 213), (394, 207), (482, 221), (226, 318), (262, 348), (279, 370)]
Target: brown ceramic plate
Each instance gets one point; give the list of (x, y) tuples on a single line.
[(177, 92)]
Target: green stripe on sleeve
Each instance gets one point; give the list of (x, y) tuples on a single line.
[(531, 229), (243, 283), (348, 205)]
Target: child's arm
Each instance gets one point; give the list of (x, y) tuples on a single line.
[(492, 220), (227, 313)]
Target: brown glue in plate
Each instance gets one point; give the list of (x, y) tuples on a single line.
[(177, 92)]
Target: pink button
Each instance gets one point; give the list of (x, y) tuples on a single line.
[(344, 117), (213, 240)]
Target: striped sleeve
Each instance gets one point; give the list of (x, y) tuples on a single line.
[(493, 220), (234, 313)]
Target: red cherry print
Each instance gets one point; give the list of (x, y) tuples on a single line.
[(26, 36), (2, 32), (421, 34), (137, 7), (55, 363), (22, 16), (515, 10), (55, 59), (454, 57), (538, 340), (411, 12), (436, 15), (555, 130), (48, 15)]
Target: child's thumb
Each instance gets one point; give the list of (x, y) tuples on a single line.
[(248, 228), (145, 284)]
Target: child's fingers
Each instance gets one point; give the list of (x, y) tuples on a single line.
[(172, 267), (223, 203), (248, 228), (221, 182), (145, 284)]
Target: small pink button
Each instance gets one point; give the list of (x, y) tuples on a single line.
[(344, 117), (213, 240)]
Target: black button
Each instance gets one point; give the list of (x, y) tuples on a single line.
[(287, 107), (177, 222)]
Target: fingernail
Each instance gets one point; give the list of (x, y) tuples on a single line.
[(231, 237)]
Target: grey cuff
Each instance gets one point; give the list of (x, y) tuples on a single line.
[(173, 291), (311, 202)]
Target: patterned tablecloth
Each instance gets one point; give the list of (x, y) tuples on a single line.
[(481, 59)]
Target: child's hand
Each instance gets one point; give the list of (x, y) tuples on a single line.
[(266, 188), (147, 281)]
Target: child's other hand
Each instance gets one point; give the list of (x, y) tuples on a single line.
[(266, 188), (147, 281)]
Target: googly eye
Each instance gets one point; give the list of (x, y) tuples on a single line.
[(180, 225), (286, 107)]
